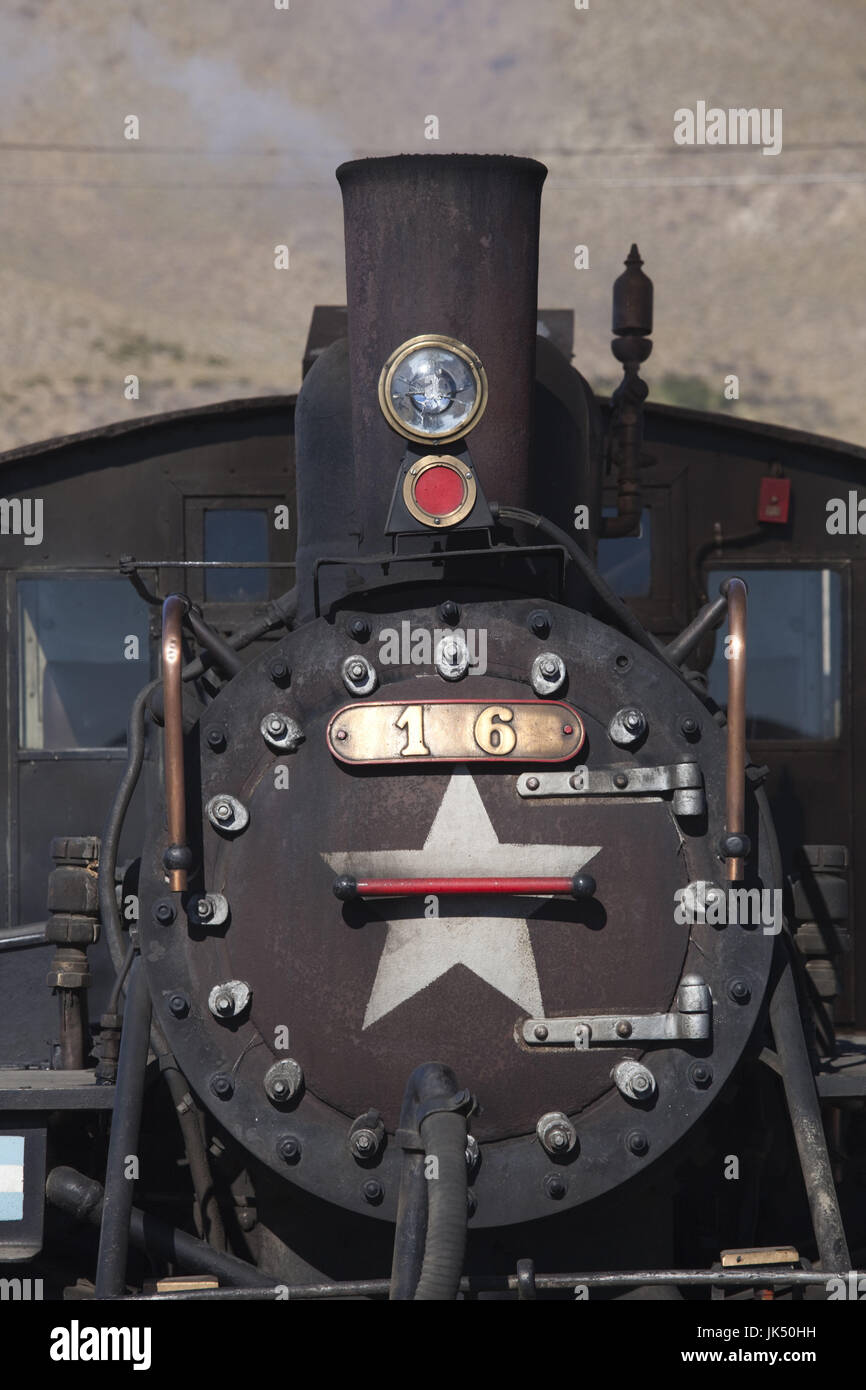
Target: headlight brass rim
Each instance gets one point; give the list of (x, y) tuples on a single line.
[(466, 355)]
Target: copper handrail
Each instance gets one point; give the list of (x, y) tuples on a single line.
[(735, 776)]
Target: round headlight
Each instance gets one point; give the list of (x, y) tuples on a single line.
[(433, 388)]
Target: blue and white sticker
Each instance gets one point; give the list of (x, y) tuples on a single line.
[(11, 1177)]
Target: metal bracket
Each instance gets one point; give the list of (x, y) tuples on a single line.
[(685, 780), (207, 910), (691, 1021), (461, 1103)]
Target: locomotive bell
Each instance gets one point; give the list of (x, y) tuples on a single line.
[(633, 299)]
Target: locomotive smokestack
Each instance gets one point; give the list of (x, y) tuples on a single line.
[(444, 244), (441, 246)]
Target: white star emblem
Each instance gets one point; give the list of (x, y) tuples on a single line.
[(461, 843)]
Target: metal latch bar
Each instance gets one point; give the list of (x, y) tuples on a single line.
[(685, 780), (690, 1021)]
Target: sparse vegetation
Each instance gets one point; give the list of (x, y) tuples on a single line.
[(138, 345)]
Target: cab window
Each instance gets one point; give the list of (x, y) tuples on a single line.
[(83, 655), (794, 653)]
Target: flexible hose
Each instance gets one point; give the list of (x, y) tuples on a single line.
[(621, 614), (120, 980), (108, 910), (123, 1141), (444, 1138)]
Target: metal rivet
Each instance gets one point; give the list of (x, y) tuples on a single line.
[(637, 1142), (222, 1085), (279, 671), (540, 1032), (700, 1074), (164, 912), (359, 628), (289, 1148), (739, 991), (620, 780), (555, 1186), (533, 784), (179, 1005), (623, 1029), (540, 622), (373, 1191), (216, 740), (449, 611)]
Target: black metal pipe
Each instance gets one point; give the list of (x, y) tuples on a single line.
[(19, 938), (212, 1227), (221, 653), (281, 612), (82, 1198), (109, 914), (123, 1144), (805, 1112), (621, 616), (759, 1277), (708, 617), (74, 1021)]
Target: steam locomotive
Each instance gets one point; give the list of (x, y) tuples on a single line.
[(447, 939)]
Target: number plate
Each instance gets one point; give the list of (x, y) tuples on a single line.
[(448, 731)]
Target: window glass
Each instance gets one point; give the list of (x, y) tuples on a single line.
[(240, 534), (82, 658), (793, 650), (626, 563)]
